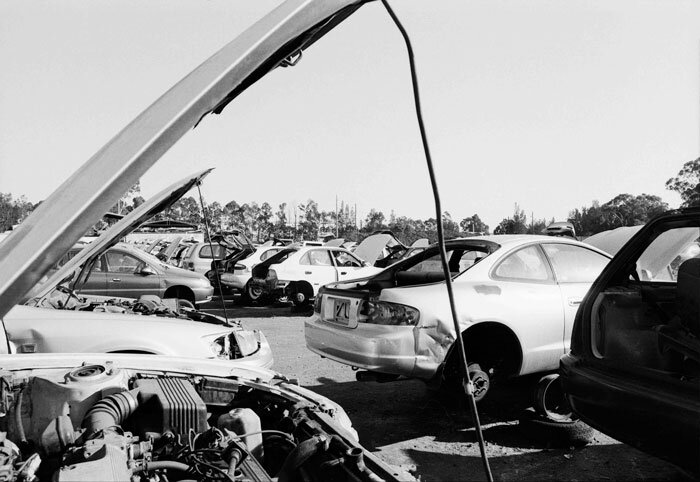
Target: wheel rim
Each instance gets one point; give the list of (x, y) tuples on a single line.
[(254, 292), (480, 381)]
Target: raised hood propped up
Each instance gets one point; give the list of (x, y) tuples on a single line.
[(86, 257), (55, 226)]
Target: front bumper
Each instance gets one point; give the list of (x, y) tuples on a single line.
[(380, 348), (203, 294)]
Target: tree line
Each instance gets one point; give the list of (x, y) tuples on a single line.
[(307, 221)]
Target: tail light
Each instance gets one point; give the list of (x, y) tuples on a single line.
[(386, 313)]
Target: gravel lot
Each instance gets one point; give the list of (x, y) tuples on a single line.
[(428, 438)]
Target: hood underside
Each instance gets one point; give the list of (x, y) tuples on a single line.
[(57, 224)]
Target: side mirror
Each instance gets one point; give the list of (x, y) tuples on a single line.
[(147, 271)]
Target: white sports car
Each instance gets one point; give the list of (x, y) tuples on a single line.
[(516, 298)]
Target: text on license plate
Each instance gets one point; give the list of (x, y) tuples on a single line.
[(338, 311)]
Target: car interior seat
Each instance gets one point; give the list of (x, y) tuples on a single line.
[(681, 335)]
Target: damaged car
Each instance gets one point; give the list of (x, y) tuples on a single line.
[(131, 417), (516, 297), (633, 371), (59, 315), (237, 272)]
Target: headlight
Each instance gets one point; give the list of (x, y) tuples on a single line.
[(221, 347), (216, 348), (385, 313)]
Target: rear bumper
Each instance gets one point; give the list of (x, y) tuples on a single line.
[(380, 348)]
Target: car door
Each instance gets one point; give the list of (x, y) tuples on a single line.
[(126, 278), (530, 302), (347, 264), (575, 268), (317, 268)]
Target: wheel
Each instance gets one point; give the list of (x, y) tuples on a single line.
[(181, 293), (299, 299), (555, 433), (549, 398), (452, 379), (253, 292)]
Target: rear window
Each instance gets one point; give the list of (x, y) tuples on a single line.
[(219, 251)]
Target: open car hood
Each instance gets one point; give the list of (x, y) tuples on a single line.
[(371, 248), (86, 257), (55, 226)]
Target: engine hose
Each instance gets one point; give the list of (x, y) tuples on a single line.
[(162, 464), (110, 411), (301, 454), (18, 417)]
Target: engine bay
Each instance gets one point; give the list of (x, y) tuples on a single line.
[(99, 422)]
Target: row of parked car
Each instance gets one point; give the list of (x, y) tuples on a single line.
[(84, 398)]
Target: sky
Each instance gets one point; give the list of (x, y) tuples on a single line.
[(547, 104)]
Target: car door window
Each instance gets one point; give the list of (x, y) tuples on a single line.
[(526, 264), (319, 258), (343, 259), (574, 264), (118, 262)]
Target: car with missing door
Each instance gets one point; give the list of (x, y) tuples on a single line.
[(516, 297)]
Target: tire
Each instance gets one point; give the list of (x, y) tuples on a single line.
[(549, 399), (252, 293), (555, 433)]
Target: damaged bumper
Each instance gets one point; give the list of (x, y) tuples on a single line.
[(379, 348)]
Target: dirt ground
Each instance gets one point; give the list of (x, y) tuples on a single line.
[(429, 438)]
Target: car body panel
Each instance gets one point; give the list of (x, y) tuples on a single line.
[(534, 312), (42, 330)]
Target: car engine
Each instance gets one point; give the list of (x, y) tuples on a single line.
[(98, 422)]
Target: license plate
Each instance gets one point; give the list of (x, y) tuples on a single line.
[(337, 310)]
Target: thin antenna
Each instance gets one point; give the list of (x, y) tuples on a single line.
[(211, 247)]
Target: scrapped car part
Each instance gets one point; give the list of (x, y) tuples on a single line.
[(560, 432), (549, 398), (612, 240), (72, 418), (381, 249), (635, 346)]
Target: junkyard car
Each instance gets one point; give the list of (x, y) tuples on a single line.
[(299, 272), (127, 272), (198, 257), (236, 275), (55, 318), (134, 418), (634, 367), (516, 298)]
